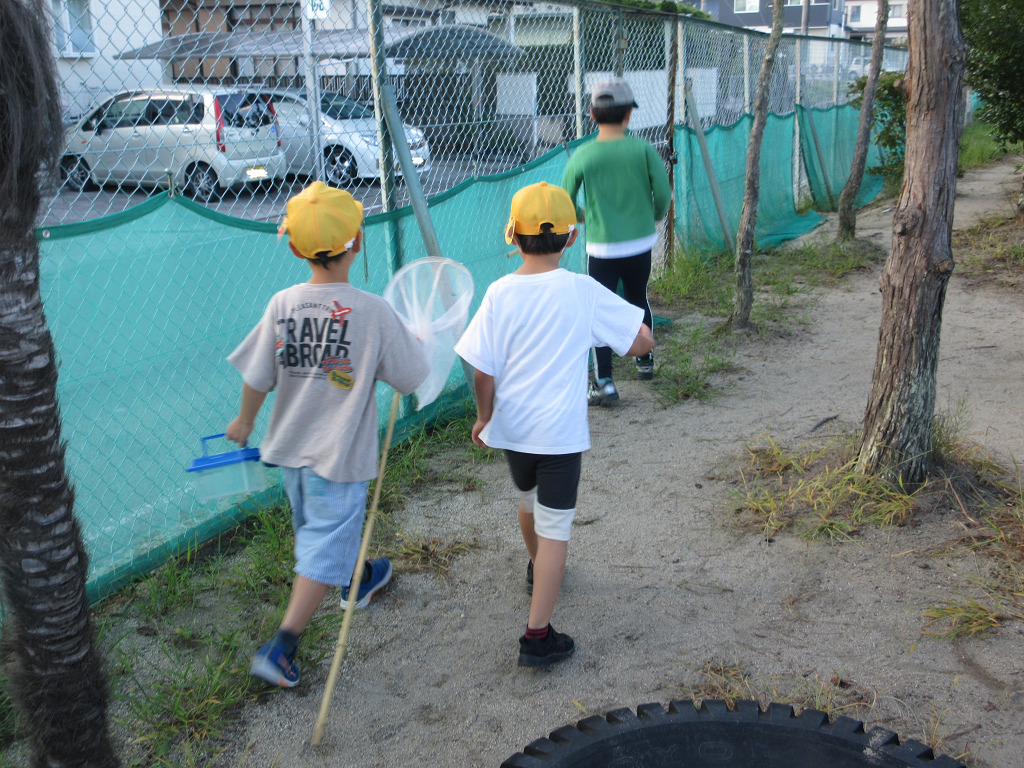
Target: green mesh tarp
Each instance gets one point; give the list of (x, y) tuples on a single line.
[(697, 220), (836, 132)]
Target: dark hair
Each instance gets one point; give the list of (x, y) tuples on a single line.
[(609, 114), (324, 260), (544, 243)]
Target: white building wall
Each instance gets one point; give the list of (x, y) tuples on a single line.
[(117, 26)]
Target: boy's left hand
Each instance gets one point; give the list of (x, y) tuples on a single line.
[(478, 427), (238, 431)]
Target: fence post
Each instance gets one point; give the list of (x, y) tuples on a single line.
[(620, 44), (670, 140), (379, 73), (577, 68), (798, 159), (746, 73), (312, 77), (709, 169)]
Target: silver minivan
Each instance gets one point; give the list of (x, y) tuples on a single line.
[(208, 140)]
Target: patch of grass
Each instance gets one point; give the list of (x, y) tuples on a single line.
[(698, 281), (264, 572), (978, 147), (768, 457), (170, 588), (963, 618), (183, 712), (723, 681), (687, 361), (992, 251), (433, 554), (819, 491), (729, 682)]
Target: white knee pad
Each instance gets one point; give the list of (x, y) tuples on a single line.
[(528, 499), (552, 523)]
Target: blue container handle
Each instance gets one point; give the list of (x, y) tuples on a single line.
[(203, 440)]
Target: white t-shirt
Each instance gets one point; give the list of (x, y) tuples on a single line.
[(323, 347), (533, 333)]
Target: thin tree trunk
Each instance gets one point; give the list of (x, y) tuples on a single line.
[(743, 295), (847, 213), (897, 436), (59, 683)]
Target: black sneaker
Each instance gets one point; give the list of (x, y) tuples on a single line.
[(529, 578), (645, 367), (540, 653)]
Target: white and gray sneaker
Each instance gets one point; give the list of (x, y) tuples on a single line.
[(645, 367), (602, 392)]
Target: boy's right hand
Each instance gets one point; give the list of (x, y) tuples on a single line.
[(238, 431)]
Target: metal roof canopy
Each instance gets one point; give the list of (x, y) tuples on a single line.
[(431, 42)]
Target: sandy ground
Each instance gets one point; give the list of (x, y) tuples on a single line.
[(660, 580)]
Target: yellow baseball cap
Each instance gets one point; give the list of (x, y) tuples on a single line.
[(540, 204), (322, 219)]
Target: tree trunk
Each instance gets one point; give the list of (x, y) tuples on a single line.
[(59, 682), (743, 295), (897, 436), (847, 214)]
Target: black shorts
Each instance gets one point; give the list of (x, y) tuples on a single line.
[(556, 477)]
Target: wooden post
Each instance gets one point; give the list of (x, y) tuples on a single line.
[(709, 169), (670, 140)]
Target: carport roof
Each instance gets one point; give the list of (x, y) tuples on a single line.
[(443, 41)]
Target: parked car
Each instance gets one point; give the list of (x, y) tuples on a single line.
[(858, 66), (208, 139), (348, 133)]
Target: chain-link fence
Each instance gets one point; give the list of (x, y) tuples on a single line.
[(147, 292), (211, 96)]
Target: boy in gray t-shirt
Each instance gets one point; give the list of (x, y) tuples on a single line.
[(322, 345)]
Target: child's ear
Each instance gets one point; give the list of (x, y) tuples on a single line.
[(572, 237), (357, 243)]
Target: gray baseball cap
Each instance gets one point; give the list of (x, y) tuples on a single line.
[(613, 92)]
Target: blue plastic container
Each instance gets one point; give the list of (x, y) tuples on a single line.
[(231, 473)]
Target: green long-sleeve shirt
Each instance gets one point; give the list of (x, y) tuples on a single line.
[(625, 189)]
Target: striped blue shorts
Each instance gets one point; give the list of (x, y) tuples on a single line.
[(328, 522)]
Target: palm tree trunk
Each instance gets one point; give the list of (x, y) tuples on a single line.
[(59, 683), (847, 213), (743, 294)]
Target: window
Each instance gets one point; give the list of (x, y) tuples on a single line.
[(897, 11), (746, 6), (794, 2), (854, 14), (72, 27), (175, 112)]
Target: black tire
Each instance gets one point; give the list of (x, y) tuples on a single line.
[(714, 736), (340, 167), (75, 173), (201, 183)]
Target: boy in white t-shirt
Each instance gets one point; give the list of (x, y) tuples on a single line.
[(529, 343)]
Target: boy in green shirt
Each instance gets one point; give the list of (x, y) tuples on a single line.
[(625, 192)]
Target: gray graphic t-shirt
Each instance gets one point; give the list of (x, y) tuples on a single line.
[(322, 348)]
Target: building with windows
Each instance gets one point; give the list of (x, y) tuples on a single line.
[(861, 16), (824, 18), (85, 38)]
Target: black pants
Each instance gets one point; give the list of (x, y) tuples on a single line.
[(634, 272)]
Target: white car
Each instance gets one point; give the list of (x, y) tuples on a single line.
[(209, 140), (348, 134)]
